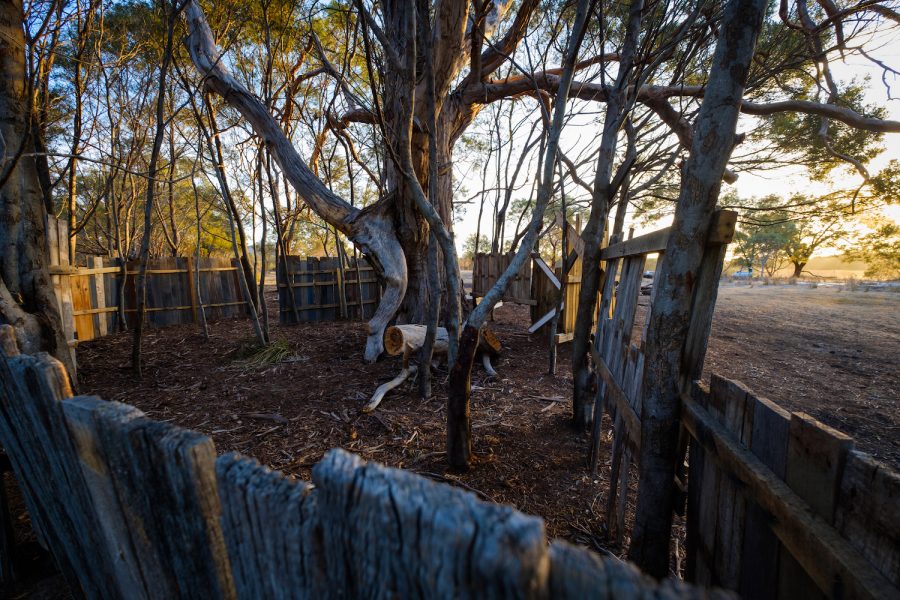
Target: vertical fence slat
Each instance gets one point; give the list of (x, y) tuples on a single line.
[(867, 515), (34, 435), (816, 456), (164, 478), (761, 548), (474, 549), (270, 528)]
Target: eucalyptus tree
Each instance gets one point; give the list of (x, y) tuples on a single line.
[(27, 301)]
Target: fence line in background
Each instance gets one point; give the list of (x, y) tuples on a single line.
[(89, 296), (324, 289), (93, 293)]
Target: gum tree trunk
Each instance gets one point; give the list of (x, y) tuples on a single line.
[(668, 327), (459, 422), (617, 108), (27, 300)]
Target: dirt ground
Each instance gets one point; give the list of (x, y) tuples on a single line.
[(829, 352), (826, 351)]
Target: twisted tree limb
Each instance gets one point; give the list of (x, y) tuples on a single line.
[(370, 229)]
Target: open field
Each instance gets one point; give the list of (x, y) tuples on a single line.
[(827, 352), (831, 353)]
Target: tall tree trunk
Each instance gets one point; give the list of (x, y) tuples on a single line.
[(230, 205), (798, 268), (371, 229), (27, 300), (459, 423), (617, 106), (667, 330), (152, 170)]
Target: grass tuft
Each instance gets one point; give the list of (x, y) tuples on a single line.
[(260, 356)]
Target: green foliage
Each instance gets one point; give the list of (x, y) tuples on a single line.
[(885, 184), (799, 134), (764, 234), (881, 251), (468, 252)]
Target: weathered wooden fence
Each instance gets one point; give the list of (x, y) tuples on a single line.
[(172, 295), (134, 508), (782, 506), (545, 286), (321, 289), (546, 283), (488, 268), (89, 296), (778, 505), (619, 361)]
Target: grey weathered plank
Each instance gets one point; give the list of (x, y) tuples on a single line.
[(827, 557), (868, 512), (721, 232), (271, 530), (164, 478), (80, 414), (576, 573), (389, 533), (33, 433), (738, 406), (761, 549), (815, 462)]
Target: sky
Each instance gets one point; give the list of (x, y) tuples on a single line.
[(784, 181)]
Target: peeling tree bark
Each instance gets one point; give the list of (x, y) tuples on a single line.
[(27, 300), (668, 326), (371, 229)]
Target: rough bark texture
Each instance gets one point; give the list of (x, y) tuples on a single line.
[(617, 107), (371, 229), (27, 300), (459, 417), (670, 317), (459, 426)]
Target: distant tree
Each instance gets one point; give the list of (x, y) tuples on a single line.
[(469, 247), (764, 235), (813, 233), (880, 250)]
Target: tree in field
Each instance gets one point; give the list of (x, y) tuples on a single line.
[(880, 249), (763, 234), (813, 233), (472, 245)]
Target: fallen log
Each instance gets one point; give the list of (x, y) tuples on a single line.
[(406, 340)]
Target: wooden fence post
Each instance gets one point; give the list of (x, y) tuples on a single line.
[(100, 294), (193, 290)]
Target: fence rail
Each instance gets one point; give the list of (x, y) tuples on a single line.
[(134, 508), (172, 295), (322, 289), (782, 506), (90, 296)]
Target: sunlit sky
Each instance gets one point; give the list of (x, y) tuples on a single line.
[(784, 181)]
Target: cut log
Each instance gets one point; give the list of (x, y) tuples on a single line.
[(489, 342), (406, 340)]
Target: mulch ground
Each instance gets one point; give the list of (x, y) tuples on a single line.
[(288, 414)]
